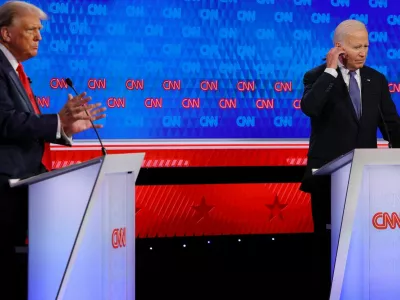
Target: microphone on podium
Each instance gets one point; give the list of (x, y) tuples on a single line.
[(385, 127), (70, 84)]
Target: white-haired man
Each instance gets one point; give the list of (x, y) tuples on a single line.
[(345, 101), (25, 133)]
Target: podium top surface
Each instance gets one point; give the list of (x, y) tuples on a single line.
[(34, 179), (111, 163), (335, 164), (368, 156)]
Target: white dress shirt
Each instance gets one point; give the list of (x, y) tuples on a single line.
[(346, 76), (14, 63)]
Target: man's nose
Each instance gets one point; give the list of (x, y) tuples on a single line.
[(38, 36)]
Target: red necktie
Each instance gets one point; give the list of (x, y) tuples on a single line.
[(46, 159)]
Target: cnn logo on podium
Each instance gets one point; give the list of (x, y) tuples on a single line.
[(118, 238), (383, 220)]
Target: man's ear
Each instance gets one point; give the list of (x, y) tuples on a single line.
[(5, 34)]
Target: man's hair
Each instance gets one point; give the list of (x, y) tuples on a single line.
[(345, 28), (12, 9)]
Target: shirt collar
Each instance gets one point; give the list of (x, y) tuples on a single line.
[(345, 70), (13, 61)]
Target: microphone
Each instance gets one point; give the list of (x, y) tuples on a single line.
[(385, 126), (70, 84)]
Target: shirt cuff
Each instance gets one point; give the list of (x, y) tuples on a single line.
[(331, 71), (58, 135), (61, 133)]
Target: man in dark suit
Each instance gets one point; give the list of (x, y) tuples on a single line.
[(25, 133), (347, 102)]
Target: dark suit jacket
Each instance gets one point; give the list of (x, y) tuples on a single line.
[(335, 129), (22, 132)]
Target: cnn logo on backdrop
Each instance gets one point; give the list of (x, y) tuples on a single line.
[(118, 238)]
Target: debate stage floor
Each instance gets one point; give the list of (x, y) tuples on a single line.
[(256, 267), (223, 267)]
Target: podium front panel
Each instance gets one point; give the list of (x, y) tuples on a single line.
[(102, 266), (372, 267), (56, 209), (384, 232), (82, 231), (339, 180)]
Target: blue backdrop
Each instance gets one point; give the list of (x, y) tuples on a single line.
[(192, 69)]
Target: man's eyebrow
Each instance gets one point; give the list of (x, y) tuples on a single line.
[(35, 26)]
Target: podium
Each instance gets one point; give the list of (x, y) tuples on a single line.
[(82, 230), (365, 229)]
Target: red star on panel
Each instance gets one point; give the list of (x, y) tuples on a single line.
[(203, 209), (276, 208)]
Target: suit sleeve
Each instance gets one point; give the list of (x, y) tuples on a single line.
[(390, 115), (19, 126), (63, 140), (315, 93)]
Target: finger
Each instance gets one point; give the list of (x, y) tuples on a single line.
[(83, 117), (341, 50), (336, 54), (98, 125), (78, 98), (78, 110), (332, 51), (339, 54), (97, 111), (99, 117), (84, 101), (86, 107), (90, 107), (80, 114), (82, 95)]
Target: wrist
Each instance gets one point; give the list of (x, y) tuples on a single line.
[(66, 131), (62, 123)]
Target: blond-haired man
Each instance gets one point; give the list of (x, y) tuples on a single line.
[(25, 133)]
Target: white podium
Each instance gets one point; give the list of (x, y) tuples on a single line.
[(82, 230), (365, 225)]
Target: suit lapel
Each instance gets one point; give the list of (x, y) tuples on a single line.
[(344, 89), (24, 99), (365, 85), (366, 91)]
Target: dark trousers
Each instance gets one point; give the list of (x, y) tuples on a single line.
[(321, 212), (13, 227)]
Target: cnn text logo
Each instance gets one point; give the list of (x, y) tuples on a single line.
[(383, 220), (118, 238)]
